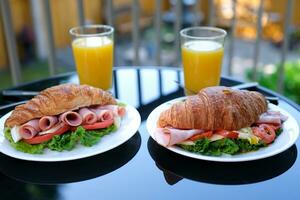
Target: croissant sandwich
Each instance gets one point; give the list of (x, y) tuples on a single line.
[(60, 116), (219, 116)]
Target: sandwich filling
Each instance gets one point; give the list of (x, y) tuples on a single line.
[(217, 142), (86, 126)]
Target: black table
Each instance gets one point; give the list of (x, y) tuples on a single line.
[(140, 168)]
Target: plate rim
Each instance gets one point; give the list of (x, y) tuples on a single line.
[(227, 158), (136, 121)]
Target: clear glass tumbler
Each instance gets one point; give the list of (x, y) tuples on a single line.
[(202, 51), (93, 47)]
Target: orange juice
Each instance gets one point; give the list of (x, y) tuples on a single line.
[(94, 61), (202, 61)]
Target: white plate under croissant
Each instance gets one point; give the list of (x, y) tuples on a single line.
[(285, 140)]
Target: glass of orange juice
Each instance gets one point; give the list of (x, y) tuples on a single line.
[(202, 53), (93, 47)]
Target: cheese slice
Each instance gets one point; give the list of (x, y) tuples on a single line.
[(15, 134), (117, 121), (246, 133), (216, 137)]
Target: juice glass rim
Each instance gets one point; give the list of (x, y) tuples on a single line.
[(73, 31), (222, 32)]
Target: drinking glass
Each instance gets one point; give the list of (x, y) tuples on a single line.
[(93, 47), (202, 51)]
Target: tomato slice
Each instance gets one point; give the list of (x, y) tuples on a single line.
[(73, 128), (265, 132), (98, 125), (232, 135), (227, 134), (207, 134), (47, 137)]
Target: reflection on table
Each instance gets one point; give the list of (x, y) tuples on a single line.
[(70, 171), (175, 167)]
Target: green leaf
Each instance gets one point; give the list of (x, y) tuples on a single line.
[(278, 132), (66, 141), (89, 138), (121, 104), (245, 146), (23, 146), (201, 146), (222, 146)]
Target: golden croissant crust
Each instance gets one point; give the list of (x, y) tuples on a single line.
[(215, 108), (58, 99)]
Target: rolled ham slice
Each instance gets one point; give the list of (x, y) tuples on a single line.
[(71, 118), (117, 110), (170, 136), (29, 129), (53, 129), (277, 113), (266, 118), (88, 117), (104, 115), (47, 122)]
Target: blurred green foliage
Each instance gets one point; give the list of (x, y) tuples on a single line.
[(30, 72), (269, 79)]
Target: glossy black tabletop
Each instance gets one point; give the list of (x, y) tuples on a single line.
[(140, 168)]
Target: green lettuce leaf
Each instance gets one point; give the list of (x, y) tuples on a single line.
[(245, 146), (23, 146), (66, 141), (223, 146), (121, 104), (278, 132), (201, 146), (89, 138)]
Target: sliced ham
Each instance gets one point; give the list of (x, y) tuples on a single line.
[(71, 118), (47, 122), (117, 110), (29, 129), (271, 117), (170, 136), (268, 119), (53, 129), (277, 113), (103, 114), (88, 117)]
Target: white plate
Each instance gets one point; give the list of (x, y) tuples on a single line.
[(285, 140), (130, 124)]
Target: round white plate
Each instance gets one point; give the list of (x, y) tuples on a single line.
[(285, 140), (129, 125)]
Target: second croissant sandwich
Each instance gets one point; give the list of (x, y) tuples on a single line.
[(216, 108), (216, 113), (60, 116)]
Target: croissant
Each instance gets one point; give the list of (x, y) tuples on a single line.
[(59, 99), (215, 108)]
